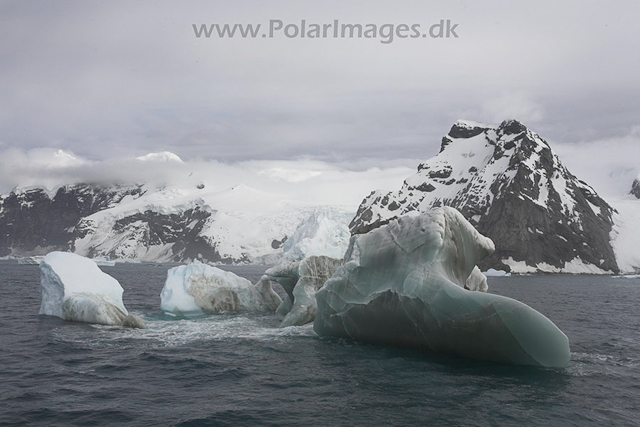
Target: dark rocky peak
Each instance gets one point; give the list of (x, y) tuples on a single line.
[(466, 129), (81, 199), (508, 135), (635, 188), (509, 184), (511, 127), (462, 130), (37, 220)]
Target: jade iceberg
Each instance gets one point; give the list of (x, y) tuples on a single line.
[(414, 282)]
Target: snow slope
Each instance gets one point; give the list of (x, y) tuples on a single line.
[(625, 235)]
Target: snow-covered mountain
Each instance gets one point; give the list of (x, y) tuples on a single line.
[(511, 186), (148, 223)]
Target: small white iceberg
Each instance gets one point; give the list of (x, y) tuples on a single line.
[(496, 273), (74, 288), (104, 261), (31, 260), (197, 289)]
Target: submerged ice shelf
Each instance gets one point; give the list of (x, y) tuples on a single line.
[(404, 284)]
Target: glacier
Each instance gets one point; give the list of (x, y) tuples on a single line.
[(197, 289), (74, 288), (324, 232), (301, 280), (404, 284)]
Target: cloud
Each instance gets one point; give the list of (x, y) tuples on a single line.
[(609, 165), (516, 105), (104, 81), (302, 179)]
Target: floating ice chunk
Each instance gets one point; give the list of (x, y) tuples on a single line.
[(476, 281), (31, 260), (197, 289), (496, 273), (301, 280), (403, 284), (74, 288), (104, 261)]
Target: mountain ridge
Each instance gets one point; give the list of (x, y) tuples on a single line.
[(238, 225), (512, 187)]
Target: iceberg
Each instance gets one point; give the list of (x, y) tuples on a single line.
[(197, 289), (31, 260), (404, 284), (301, 280), (496, 273), (74, 288), (104, 261)]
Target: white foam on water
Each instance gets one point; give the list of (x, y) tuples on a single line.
[(588, 364), (172, 332)]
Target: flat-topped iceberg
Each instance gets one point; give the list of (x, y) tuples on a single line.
[(197, 289), (301, 280), (404, 284), (74, 288), (496, 273)]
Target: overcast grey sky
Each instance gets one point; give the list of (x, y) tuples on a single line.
[(120, 78)]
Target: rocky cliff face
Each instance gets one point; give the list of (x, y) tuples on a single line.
[(150, 236), (33, 222), (147, 223), (76, 218), (510, 185)]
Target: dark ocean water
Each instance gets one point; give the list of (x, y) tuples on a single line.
[(241, 370)]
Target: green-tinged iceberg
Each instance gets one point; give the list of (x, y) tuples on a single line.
[(414, 282)]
